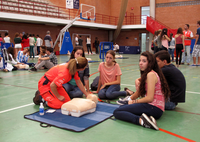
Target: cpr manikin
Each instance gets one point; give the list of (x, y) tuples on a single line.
[(79, 106)]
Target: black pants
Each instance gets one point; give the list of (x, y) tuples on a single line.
[(89, 48), (179, 48)]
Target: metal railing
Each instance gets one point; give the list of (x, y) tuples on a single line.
[(42, 8)]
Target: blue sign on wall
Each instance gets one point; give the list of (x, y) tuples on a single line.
[(66, 44), (76, 4)]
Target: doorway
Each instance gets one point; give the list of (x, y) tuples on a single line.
[(144, 42)]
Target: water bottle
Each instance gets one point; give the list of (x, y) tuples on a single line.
[(41, 109)]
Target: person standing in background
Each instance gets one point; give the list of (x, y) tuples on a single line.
[(76, 40), (88, 44), (96, 44), (196, 49), (39, 43), (18, 45), (188, 36), (31, 43), (48, 40)]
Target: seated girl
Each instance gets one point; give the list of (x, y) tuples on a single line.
[(71, 87), (149, 99), (110, 78), (50, 85), (13, 65)]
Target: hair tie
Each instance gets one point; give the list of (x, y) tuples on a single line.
[(76, 61)]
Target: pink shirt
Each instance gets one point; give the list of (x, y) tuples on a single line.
[(165, 43), (109, 74), (159, 100)]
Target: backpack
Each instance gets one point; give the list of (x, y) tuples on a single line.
[(94, 84)]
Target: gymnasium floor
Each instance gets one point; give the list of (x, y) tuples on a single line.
[(18, 88)]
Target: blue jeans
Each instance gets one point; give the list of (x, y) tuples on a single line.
[(111, 92), (131, 113), (170, 105), (171, 52), (73, 91)]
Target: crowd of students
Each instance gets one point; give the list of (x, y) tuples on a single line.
[(180, 42)]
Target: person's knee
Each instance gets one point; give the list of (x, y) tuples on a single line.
[(77, 94), (101, 94)]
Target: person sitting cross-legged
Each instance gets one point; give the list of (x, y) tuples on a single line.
[(43, 61)]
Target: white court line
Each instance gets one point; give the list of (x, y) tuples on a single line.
[(16, 108), (33, 103)]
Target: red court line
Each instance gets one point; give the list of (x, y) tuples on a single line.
[(18, 86), (173, 134), (187, 112)]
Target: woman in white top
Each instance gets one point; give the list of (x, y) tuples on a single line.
[(89, 44), (7, 38), (171, 46), (12, 65)]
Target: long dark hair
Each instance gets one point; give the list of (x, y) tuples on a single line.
[(180, 31), (164, 32), (11, 51), (74, 50), (152, 65)]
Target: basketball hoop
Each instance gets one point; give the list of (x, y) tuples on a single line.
[(87, 12)]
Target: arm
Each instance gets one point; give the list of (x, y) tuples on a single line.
[(114, 82), (99, 84), (196, 39), (183, 38), (81, 87), (167, 38), (151, 82), (44, 58), (137, 83), (53, 87)]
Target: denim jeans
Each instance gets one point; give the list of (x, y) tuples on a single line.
[(131, 113), (111, 92), (170, 105), (73, 91), (171, 52), (187, 50)]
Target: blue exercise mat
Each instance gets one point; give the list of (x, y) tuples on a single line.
[(77, 124)]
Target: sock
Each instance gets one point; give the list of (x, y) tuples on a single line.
[(129, 98), (142, 122)]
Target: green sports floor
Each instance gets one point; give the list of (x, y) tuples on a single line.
[(18, 88)]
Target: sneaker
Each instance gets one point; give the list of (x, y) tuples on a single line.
[(122, 102), (153, 120), (37, 98), (124, 99), (33, 69), (148, 123)]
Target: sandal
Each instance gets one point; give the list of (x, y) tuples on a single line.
[(128, 94)]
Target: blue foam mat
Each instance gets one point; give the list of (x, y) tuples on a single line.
[(77, 124)]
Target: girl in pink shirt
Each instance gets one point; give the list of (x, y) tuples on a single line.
[(110, 78), (149, 99)]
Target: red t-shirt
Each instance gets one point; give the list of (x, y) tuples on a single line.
[(25, 42), (59, 75)]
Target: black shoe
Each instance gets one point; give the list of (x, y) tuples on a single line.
[(33, 69), (122, 102), (153, 120), (148, 123), (37, 98)]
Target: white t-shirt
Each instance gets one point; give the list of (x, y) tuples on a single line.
[(76, 40), (88, 41), (7, 39), (116, 47), (39, 41)]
